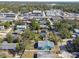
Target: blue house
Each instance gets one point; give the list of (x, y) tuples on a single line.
[(44, 45)]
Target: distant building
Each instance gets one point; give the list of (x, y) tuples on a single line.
[(77, 16), (7, 17), (54, 12), (69, 16), (37, 14), (37, 11)]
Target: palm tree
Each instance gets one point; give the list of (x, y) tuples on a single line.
[(53, 37)]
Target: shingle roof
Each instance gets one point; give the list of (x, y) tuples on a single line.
[(6, 45)]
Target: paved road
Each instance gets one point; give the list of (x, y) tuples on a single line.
[(51, 23)]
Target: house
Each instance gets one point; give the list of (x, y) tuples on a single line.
[(2, 28), (37, 14), (8, 17), (7, 46), (44, 27), (43, 33), (77, 16), (76, 54), (76, 32), (65, 54), (45, 54), (69, 16), (21, 27), (74, 36), (54, 12), (42, 22), (44, 45)]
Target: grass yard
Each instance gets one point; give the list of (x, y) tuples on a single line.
[(28, 54), (5, 54), (29, 46)]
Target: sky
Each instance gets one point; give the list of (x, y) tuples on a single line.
[(45, 0)]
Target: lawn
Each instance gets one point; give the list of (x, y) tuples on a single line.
[(28, 54), (29, 46), (5, 54)]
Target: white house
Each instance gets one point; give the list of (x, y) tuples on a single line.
[(65, 54), (21, 27), (2, 27), (54, 12)]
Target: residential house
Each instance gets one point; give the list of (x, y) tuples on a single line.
[(77, 16), (54, 12), (44, 45), (44, 27), (2, 28), (65, 54), (37, 14), (44, 48), (21, 27), (7, 46), (69, 16), (8, 17), (43, 33), (76, 54), (45, 54), (76, 32)]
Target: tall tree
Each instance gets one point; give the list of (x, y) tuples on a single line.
[(35, 24)]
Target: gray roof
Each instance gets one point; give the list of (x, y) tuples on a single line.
[(6, 45), (44, 54)]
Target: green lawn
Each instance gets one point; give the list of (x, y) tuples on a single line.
[(29, 46)]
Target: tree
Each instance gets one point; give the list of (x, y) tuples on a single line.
[(7, 24), (65, 33), (53, 37), (37, 38), (1, 40), (76, 41), (74, 46), (27, 35), (49, 25), (3, 56), (19, 22), (64, 28), (18, 47), (35, 24), (9, 38)]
